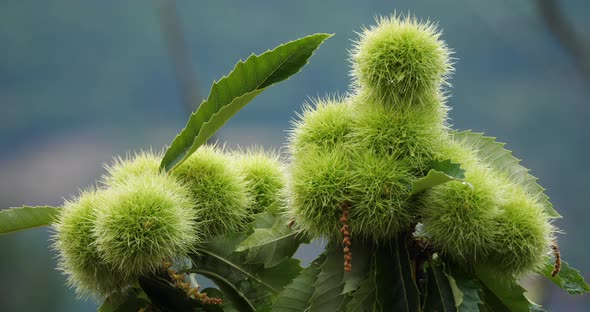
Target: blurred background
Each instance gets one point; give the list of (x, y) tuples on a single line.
[(82, 81)]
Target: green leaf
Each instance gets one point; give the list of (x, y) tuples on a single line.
[(361, 267), (124, 303), (396, 290), (568, 278), (233, 92), (272, 241), (502, 160), (26, 217), (501, 294), (165, 297), (296, 296), (249, 287), (364, 298), (439, 294), (439, 172), (328, 288), (465, 290)]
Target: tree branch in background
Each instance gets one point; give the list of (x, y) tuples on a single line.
[(179, 54), (566, 34)]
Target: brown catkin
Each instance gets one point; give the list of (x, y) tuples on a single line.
[(346, 242), (192, 292), (557, 255)]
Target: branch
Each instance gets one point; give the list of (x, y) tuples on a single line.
[(565, 33), (179, 54)]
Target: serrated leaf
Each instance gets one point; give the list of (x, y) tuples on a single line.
[(328, 288), (395, 287), (26, 217), (448, 167), (465, 290), (568, 278), (439, 294), (361, 266), (272, 241), (439, 172), (250, 287), (296, 296), (232, 92), (501, 294), (363, 299), (502, 160)]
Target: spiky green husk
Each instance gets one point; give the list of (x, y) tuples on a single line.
[(379, 197), (146, 219), (265, 176), (460, 219), (324, 124), (400, 60), (413, 135), (79, 258), (524, 236), (123, 168), (219, 192), (319, 187)]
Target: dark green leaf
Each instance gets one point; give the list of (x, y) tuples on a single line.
[(167, 298), (124, 303), (272, 241), (395, 287), (502, 160), (328, 288), (439, 294), (439, 172), (296, 296), (26, 217), (361, 266), (233, 92), (466, 291), (363, 299), (249, 287), (501, 294), (568, 279)]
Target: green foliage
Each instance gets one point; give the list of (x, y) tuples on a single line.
[(219, 193), (494, 154), (327, 295), (26, 217), (297, 295), (440, 172), (425, 219), (568, 279), (271, 242), (238, 88), (248, 287), (501, 294), (396, 289), (439, 292)]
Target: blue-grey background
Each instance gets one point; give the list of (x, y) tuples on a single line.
[(81, 81)]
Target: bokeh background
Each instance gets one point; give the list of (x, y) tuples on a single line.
[(81, 81)]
